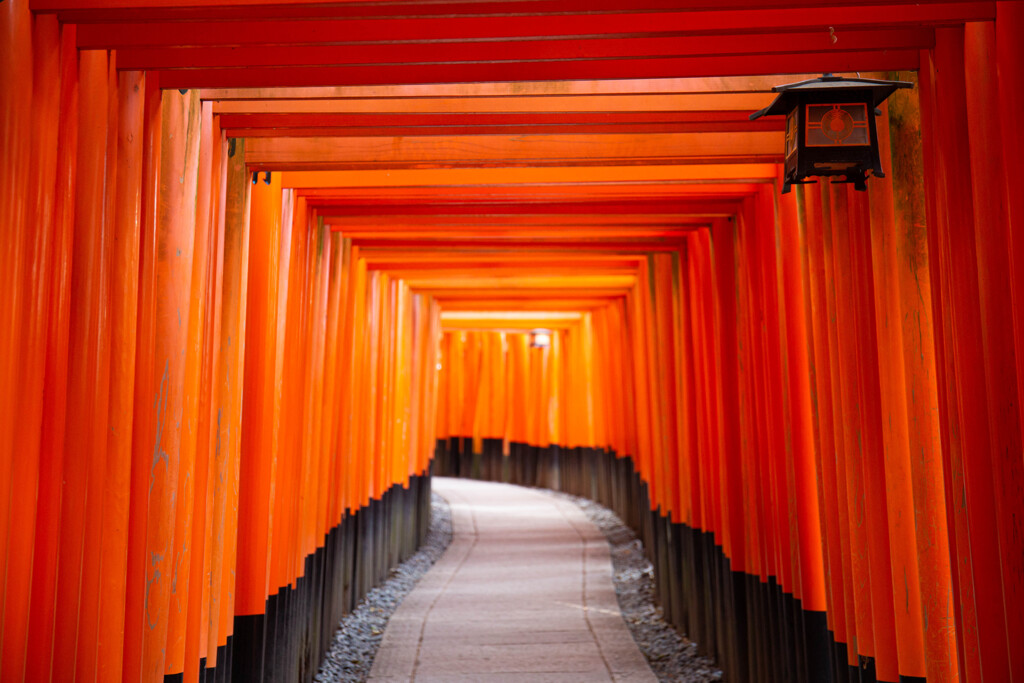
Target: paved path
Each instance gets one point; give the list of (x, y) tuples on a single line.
[(523, 594)]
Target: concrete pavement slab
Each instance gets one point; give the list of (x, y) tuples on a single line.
[(524, 593)]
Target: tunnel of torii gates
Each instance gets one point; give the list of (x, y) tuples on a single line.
[(269, 264)]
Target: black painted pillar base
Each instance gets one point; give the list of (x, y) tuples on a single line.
[(247, 653), (288, 641)]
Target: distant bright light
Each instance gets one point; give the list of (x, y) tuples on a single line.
[(438, 366), (540, 339)]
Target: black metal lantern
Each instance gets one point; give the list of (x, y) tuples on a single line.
[(830, 127)]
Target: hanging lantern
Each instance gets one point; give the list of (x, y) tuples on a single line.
[(830, 127)]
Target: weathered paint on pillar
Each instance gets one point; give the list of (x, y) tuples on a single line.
[(124, 303)]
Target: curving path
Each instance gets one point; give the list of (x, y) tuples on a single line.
[(523, 593)]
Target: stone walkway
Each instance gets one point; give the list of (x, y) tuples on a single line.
[(523, 593)]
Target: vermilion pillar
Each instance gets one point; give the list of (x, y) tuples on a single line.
[(258, 448), (900, 501), (94, 560), (723, 248), (967, 440), (332, 378), (145, 386), (208, 221), (88, 381), (991, 234), (31, 282), (689, 327), (192, 473), (51, 461), (872, 446), (1010, 69), (836, 454), (809, 213), (913, 268), (164, 295), (801, 452), (233, 264), (15, 157), (846, 423), (127, 194)]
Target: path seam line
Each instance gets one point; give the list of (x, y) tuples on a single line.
[(426, 616), (586, 608)]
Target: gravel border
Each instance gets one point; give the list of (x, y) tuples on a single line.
[(360, 633), (672, 657)]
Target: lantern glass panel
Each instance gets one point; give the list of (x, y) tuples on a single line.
[(791, 133), (837, 125)]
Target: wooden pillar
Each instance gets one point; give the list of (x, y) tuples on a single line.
[(191, 474), (32, 280), (211, 173), (664, 376), (847, 424), (872, 446), (88, 382), (731, 493), (967, 441), (165, 300), (1010, 69), (991, 235), (854, 614), (888, 321), (332, 377), (810, 216), (638, 345), (123, 307), (135, 597), (259, 418), (802, 451), (51, 450), (723, 238), (290, 354), (777, 422), (692, 387), (905, 253), (104, 475), (228, 400), (317, 479), (16, 68)]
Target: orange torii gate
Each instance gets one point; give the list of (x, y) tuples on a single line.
[(219, 391)]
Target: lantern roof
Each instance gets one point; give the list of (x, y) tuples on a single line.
[(788, 93)]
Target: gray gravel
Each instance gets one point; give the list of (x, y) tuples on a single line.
[(672, 657), (360, 633)]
